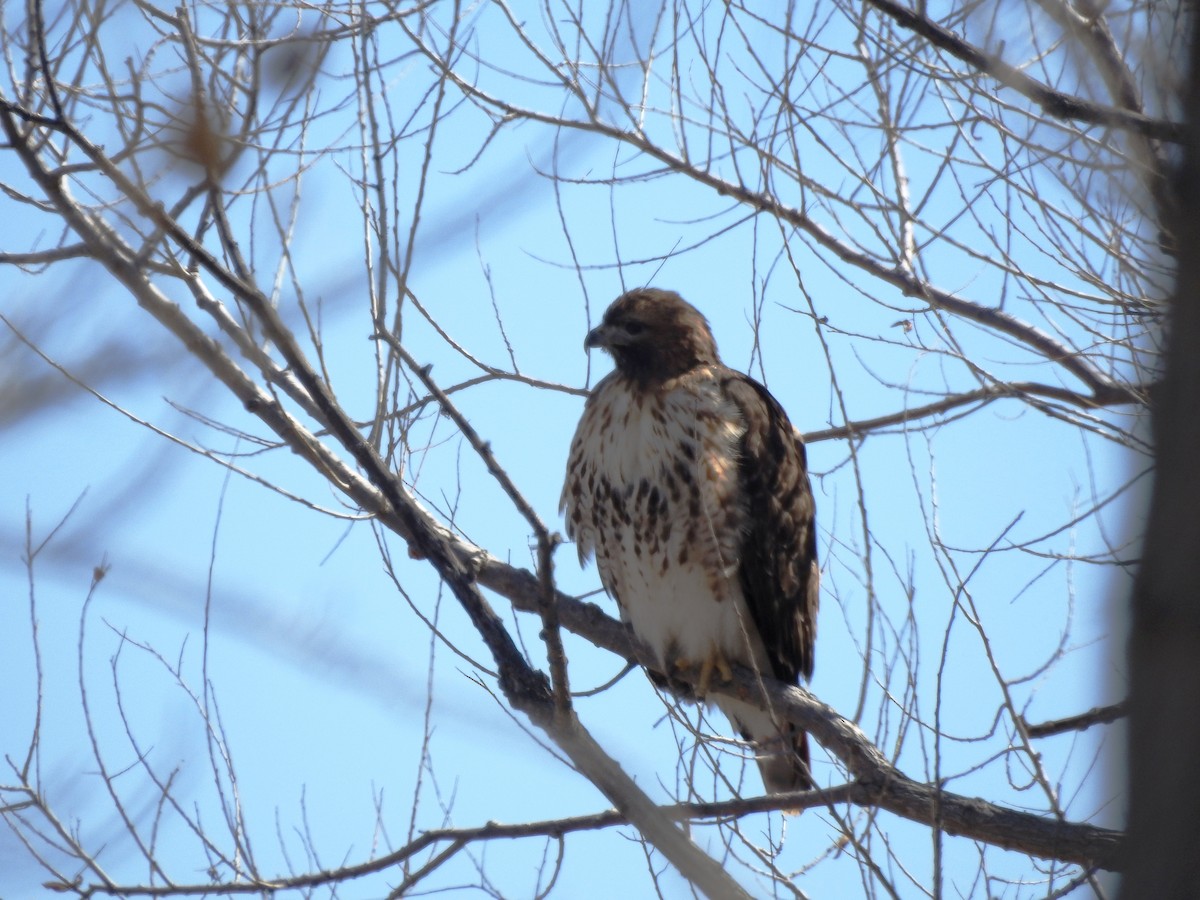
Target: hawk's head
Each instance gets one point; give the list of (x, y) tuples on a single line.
[(654, 335)]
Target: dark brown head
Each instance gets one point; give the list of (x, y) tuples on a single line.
[(654, 335)]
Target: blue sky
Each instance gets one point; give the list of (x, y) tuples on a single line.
[(319, 667)]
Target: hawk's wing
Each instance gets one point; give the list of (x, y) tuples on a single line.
[(778, 574)]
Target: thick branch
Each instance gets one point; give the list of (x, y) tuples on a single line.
[(883, 784), (1164, 638), (1085, 845)]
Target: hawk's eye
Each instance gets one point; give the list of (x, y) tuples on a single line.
[(634, 328)]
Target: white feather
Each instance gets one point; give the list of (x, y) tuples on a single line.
[(680, 594)]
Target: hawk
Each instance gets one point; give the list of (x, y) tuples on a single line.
[(690, 487)]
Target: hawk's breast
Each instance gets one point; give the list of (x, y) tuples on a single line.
[(653, 492)]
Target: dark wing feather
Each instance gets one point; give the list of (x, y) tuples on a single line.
[(778, 572)]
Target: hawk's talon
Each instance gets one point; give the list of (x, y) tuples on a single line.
[(705, 679), (713, 662)]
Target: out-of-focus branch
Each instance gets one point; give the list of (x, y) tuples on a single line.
[(909, 284), (1088, 24), (1054, 103), (1098, 716), (44, 257), (525, 688), (1164, 637)]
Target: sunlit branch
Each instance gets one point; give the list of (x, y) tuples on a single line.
[(983, 395), (890, 788), (525, 688), (547, 541), (492, 831), (935, 170), (907, 283)]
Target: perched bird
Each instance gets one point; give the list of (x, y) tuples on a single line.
[(690, 487)]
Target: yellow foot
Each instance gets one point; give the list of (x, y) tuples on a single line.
[(714, 662), (724, 669), (684, 670), (681, 665), (701, 675)]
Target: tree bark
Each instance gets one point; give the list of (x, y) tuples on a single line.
[(1163, 854)]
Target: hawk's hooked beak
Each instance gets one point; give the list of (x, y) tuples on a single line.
[(600, 336)]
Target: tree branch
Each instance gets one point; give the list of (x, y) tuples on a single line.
[(908, 283), (1054, 103), (986, 394), (525, 688), (1098, 716), (882, 783), (492, 831)]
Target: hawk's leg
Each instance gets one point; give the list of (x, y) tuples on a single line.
[(713, 662)]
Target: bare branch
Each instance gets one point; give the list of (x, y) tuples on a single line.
[(1101, 715), (1055, 103)]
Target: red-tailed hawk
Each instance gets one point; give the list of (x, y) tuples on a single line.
[(690, 486)]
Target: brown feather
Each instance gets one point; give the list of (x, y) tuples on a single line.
[(690, 485)]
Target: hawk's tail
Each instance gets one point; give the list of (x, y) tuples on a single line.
[(783, 762), (782, 752)]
